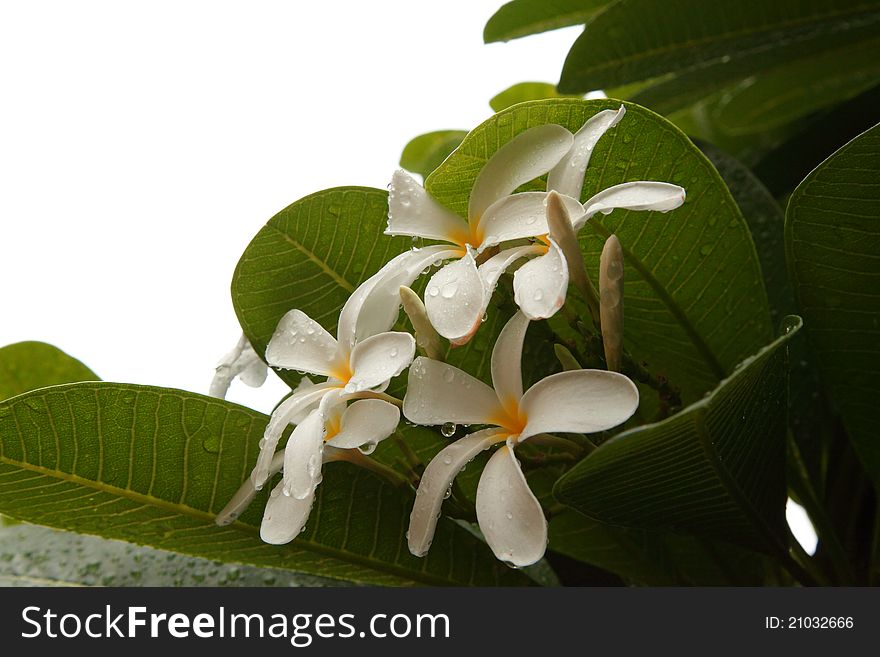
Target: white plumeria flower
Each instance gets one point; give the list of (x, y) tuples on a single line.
[(328, 433), (509, 515), (364, 358), (458, 294), (242, 362)]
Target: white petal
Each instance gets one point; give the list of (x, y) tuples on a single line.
[(638, 195), (374, 306), (436, 480), (509, 514), (243, 362), (438, 393), (507, 361), (412, 211), (300, 343), (304, 384), (530, 154), (283, 415), (580, 401), (454, 300), (380, 358), (245, 495), (567, 177), (366, 422), (302, 456), (520, 215), (494, 267), (540, 285), (284, 516)]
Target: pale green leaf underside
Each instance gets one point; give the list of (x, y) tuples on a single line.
[(29, 365), (833, 248), (153, 466), (716, 469), (523, 17), (311, 256), (695, 300), (523, 92), (424, 153)]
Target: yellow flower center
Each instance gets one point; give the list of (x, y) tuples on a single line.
[(510, 417)]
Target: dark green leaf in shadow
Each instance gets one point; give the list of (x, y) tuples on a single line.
[(654, 558), (714, 470), (523, 92), (832, 234)]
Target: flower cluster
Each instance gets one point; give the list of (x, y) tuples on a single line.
[(346, 414)]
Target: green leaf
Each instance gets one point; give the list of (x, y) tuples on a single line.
[(652, 558), (791, 91), (766, 222), (832, 234), (523, 92), (707, 45), (715, 470), (153, 466), (30, 365), (424, 153), (523, 17), (695, 300), (311, 256), (40, 556)]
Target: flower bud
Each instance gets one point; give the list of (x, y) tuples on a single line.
[(611, 301), (426, 336)]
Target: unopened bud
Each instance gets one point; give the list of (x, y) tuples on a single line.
[(427, 337), (562, 232), (611, 301)]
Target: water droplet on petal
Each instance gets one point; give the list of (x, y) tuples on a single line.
[(449, 290), (433, 291), (448, 429)]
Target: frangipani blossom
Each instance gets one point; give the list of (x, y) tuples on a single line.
[(509, 515), (457, 296), (328, 433), (363, 360)]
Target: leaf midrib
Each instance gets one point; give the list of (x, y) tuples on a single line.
[(198, 514)]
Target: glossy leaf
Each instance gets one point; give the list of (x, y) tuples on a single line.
[(523, 92), (29, 365), (695, 300), (523, 17), (715, 470), (152, 466), (653, 558), (796, 89), (424, 153), (832, 236), (311, 256), (708, 45)]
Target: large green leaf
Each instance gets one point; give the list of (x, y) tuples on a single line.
[(40, 556), (152, 466), (707, 45), (311, 256), (654, 558), (424, 153), (523, 17), (695, 300), (29, 365), (833, 248), (796, 89), (716, 469)]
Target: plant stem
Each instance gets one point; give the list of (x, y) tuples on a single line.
[(362, 460), (378, 395), (548, 440)]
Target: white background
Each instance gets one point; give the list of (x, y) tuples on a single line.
[(143, 144)]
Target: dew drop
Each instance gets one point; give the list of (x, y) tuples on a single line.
[(433, 291), (449, 375), (449, 290), (448, 429), (538, 295), (393, 352)]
